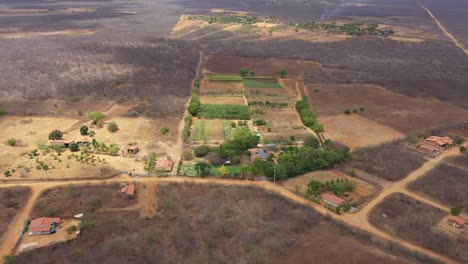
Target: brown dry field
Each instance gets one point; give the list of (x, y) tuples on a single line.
[(357, 131), (225, 88), (34, 34), (362, 191), (285, 123), (236, 100), (403, 113), (13, 199), (214, 129), (267, 67), (204, 224)]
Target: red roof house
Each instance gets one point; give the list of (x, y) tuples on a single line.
[(440, 141), (128, 189), (456, 221), (332, 199), (43, 225), (164, 165)]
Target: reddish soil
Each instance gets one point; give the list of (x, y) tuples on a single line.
[(403, 113), (265, 67)]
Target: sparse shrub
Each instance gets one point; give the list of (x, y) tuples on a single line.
[(269, 127), (86, 224), (282, 73), (80, 113), (164, 130), (56, 134), (7, 173), (112, 127), (11, 142), (187, 155), (71, 229), (462, 149), (92, 133), (96, 117), (49, 211), (259, 122), (355, 110)]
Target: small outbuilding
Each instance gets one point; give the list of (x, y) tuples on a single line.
[(132, 150), (60, 142), (43, 225), (164, 165), (456, 221), (332, 199), (257, 153), (128, 189)]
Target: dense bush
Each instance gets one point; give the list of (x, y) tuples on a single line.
[(56, 134), (259, 122), (187, 124), (246, 20), (195, 104), (308, 118), (351, 28), (11, 142), (202, 151), (84, 130), (338, 187), (74, 147), (96, 117), (225, 111), (311, 141)]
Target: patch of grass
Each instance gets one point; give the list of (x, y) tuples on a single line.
[(257, 84), (223, 78), (226, 111), (233, 170), (188, 170), (200, 131)]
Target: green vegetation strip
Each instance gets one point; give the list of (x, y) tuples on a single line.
[(226, 111), (235, 78), (246, 20), (257, 84), (200, 131), (352, 28), (308, 118)]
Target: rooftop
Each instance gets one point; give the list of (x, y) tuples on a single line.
[(332, 198), (456, 219)]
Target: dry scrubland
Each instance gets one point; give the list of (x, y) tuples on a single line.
[(205, 223), (403, 113), (460, 160), (392, 161), (415, 221), (13, 199), (444, 183)]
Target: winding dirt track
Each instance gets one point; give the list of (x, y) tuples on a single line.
[(358, 220)]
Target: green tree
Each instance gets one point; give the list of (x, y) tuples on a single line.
[(7, 173), (311, 142), (456, 211), (462, 149), (202, 168), (12, 142), (314, 188), (244, 170), (243, 72), (84, 130), (74, 147), (252, 73), (56, 134), (318, 128), (10, 259), (112, 127), (202, 151), (282, 73), (96, 116), (164, 130), (223, 170), (196, 83)]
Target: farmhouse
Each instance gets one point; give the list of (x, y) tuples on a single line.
[(456, 221), (43, 225), (257, 153), (132, 150), (128, 189), (60, 142), (164, 165), (429, 149), (443, 142), (332, 199), (269, 147)]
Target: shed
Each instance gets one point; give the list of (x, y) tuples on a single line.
[(164, 165), (332, 199), (456, 221), (61, 142), (132, 150)]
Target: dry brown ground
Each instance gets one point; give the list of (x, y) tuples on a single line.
[(237, 100), (12, 200), (403, 113), (357, 131), (34, 34), (226, 88), (362, 191), (266, 67), (285, 123)]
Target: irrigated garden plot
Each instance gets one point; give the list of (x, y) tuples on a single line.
[(403, 113), (415, 221), (208, 130)]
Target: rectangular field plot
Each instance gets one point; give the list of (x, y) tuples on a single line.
[(235, 100), (417, 222), (224, 78), (225, 111), (207, 130), (445, 183), (264, 82), (224, 88)]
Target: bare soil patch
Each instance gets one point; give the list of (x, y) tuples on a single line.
[(223, 88), (209, 223), (445, 183), (238, 100), (362, 191), (13, 199), (415, 221), (261, 67), (403, 113), (357, 131), (25, 35), (285, 123), (392, 161)]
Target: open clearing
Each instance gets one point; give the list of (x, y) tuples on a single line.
[(415, 221), (13, 199), (357, 131), (210, 223), (208, 130), (444, 183), (362, 191), (239, 100), (403, 113)]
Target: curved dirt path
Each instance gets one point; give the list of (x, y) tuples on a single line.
[(442, 27)]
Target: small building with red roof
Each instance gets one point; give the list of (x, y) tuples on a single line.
[(43, 225), (332, 199), (128, 189), (456, 221), (164, 165)]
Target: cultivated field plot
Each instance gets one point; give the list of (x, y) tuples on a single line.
[(403, 113), (444, 183), (392, 161), (13, 199), (415, 221), (207, 130), (220, 87), (362, 189), (262, 67), (357, 131), (237, 100), (210, 223), (285, 123)]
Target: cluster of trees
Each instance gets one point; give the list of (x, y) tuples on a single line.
[(226, 111), (308, 118), (187, 124), (151, 163), (352, 28), (195, 104), (338, 187), (101, 147), (97, 118), (245, 20), (55, 135)]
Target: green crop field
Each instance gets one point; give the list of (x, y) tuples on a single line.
[(200, 131), (224, 78), (233, 170), (226, 111), (257, 84)]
